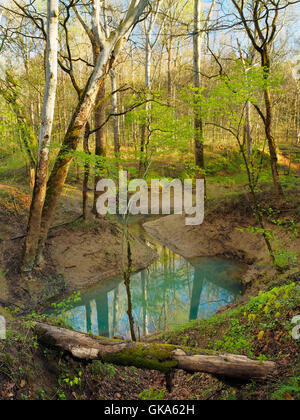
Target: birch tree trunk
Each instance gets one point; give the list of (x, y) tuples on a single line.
[(39, 193), (110, 48)]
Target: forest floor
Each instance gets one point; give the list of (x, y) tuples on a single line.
[(259, 326)]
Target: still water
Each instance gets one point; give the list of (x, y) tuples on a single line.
[(169, 293)]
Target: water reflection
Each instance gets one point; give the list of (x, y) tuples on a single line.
[(171, 292)]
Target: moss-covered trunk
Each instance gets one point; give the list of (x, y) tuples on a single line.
[(100, 138), (86, 172), (160, 357), (64, 159)]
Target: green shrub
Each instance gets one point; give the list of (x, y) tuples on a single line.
[(152, 394)]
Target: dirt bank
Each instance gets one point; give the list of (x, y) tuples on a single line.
[(215, 237), (87, 254), (221, 235), (77, 255)]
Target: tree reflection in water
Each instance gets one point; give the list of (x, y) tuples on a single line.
[(169, 293)]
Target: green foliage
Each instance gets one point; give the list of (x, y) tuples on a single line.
[(61, 312), (262, 358), (100, 370), (230, 162), (269, 304), (290, 391), (152, 394), (237, 341), (284, 258), (3, 273), (72, 381), (232, 91), (61, 396), (67, 304)]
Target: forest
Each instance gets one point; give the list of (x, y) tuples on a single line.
[(122, 123)]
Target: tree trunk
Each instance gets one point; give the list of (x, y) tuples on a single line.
[(160, 357), (75, 131), (114, 104), (88, 313), (39, 193), (86, 172), (198, 123), (144, 139), (169, 51), (127, 278), (109, 51), (269, 124), (248, 130), (100, 145), (199, 31), (117, 144), (146, 127)]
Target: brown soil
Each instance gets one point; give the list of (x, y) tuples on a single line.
[(220, 234), (87, 257), (77, 255)]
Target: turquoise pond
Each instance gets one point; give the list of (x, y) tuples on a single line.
[(169, 293)]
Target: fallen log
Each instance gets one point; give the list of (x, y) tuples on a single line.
[(160, 357)]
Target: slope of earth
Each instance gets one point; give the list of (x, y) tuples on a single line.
[(77, 253)]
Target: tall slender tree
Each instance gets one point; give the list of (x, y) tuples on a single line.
[(200, 27), (109, 49), (260, 19), (39, 193), (149, 45), (248, 125)]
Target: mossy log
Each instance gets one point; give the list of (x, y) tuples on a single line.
[(160, 357)]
